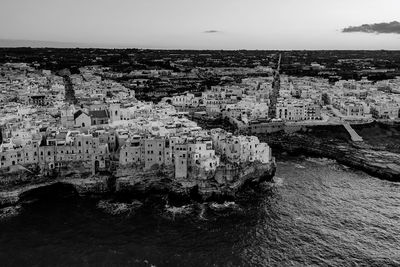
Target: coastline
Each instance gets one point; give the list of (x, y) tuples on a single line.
[(378, 155), (127, 183), (330, 142), (379, 163)]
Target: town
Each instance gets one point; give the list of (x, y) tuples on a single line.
[(53, 124), (199, 133), (90, 120)]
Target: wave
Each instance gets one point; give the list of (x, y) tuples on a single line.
[(298, 166), (202, 212), (321, 161), (225, 205), (117, 208), (186, 209)]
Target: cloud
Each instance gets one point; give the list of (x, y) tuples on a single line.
[(391, 27), (211, 31)]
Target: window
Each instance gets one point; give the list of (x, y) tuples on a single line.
[(48, 153)]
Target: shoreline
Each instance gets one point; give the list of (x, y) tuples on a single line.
[(378, 163), (378, 158), (140, 185)]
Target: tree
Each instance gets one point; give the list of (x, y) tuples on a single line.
[(109, 94), (325, 99)]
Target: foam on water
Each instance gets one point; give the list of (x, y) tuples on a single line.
[(278, 181), (298, 166)]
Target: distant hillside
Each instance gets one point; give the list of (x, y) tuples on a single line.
[(52, 44), (31, 43)]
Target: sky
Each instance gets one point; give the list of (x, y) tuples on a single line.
[(204, 24)]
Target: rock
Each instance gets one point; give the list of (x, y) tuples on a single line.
[(221, 185), (185, 209), (224, 206), (8, 212), (379, 163), (90, 185), (117, 208), (8, 198)]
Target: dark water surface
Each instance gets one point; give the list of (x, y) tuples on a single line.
[(317, 213)]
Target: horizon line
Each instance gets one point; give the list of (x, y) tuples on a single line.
[(79, 45)]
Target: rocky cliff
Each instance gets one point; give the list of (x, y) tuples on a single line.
[(221, 184), (374, 161)]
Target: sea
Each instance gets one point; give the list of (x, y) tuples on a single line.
[(316, 213)]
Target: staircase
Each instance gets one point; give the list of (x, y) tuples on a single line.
[(353, 134)]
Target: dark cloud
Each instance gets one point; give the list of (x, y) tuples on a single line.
[(212, 31), (391, 27)]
